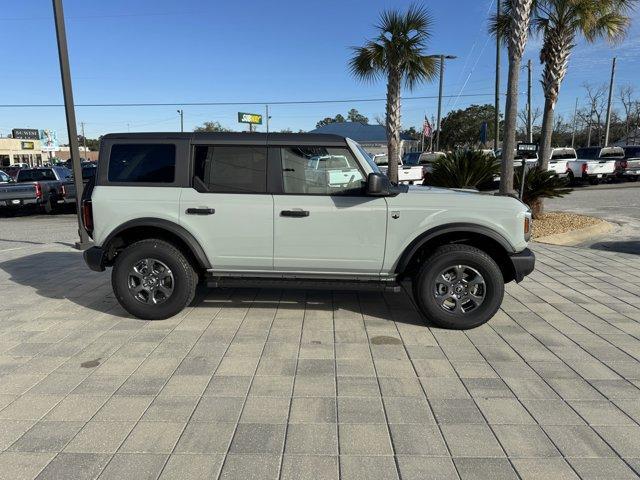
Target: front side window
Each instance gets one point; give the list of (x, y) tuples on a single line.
[(320, 171), (227, 169), (142, 163)]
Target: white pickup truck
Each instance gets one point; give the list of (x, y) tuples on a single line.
[(408, 174), (559, 159), (595, 164), (632, 157)]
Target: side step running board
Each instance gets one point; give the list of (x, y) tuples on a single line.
[(299, 283)]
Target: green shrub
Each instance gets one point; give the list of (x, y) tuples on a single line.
[(463, 169), (538, 185)]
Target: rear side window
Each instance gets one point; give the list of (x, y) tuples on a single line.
[(227, 169), (39, 175), (142, 163)]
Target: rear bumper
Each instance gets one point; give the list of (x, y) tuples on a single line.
[(94, 258), (523, 264), (19, 202)]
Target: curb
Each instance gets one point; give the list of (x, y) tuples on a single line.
[(576, 237)]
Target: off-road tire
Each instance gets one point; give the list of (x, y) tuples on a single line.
[(184, 275), (424, 285)]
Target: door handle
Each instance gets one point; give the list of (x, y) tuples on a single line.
[(200, 211), (294, 213)]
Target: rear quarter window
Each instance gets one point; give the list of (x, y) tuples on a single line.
[(142, 163)]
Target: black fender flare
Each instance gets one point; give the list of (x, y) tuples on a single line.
[(171, 227), (402, 263)]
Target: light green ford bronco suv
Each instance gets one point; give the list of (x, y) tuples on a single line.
[(170, 210)]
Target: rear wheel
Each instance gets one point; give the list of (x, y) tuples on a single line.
[(459, 287), (153, 280)]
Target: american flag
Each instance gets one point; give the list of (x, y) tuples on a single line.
[(426, 128)]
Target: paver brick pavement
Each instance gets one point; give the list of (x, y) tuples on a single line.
[(311, 385)]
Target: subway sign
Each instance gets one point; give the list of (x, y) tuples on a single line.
[(251, 118), (28, 145)]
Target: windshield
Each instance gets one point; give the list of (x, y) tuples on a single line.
[(367, 158)]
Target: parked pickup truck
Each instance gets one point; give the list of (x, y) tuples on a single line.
[(408, 173), (632, 157), (595, 164), (167, 210), (40, 187), (559, 159)]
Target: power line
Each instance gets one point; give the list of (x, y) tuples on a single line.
[(195, 104)]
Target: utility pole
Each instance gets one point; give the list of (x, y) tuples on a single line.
[(496, 120), (181, 113), (84, 140), (575, 124), (529, 115), (266, 108), (608, 121), (433, 122), (69, 110), (442, 59)]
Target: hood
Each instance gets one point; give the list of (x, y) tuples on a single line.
[(462, 198)]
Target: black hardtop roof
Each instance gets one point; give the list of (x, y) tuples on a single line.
[(235, 138)]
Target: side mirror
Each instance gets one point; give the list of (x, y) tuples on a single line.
[(377, 184)]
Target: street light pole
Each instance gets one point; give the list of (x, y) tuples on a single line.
[(69, 110), (181, 113), (608, 121), (529, 115), (442, 59), (575, 123)]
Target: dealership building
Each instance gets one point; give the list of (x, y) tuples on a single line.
[(28, 146)]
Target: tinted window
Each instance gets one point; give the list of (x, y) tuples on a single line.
[(4, 177), (563, 156), (588, 153), (142, 163), (88, 172), (232, 169), (616, 153), (320, 170), (411, 158), (38, 175), (631, 152)]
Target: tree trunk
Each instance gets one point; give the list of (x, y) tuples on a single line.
[(544, 153), (537, 208), (393, 124), (510, 123)]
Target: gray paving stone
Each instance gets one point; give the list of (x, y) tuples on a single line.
[(360, 410), (312, 439), (525, 441), (544, 469), (78, 466), (121, 408), (171, 408), (471, 441), (458, 410), (218, 409), (206, 438), (314, 386), (419, 468), (417, 440), (22, 465), (364, 439), (258, 438), (250, 467), (504, 411), (358, 387), (602, 469), (367, 468), (129, 465), (272, 386), (11, 430), (193, 467), (47, 437), (228, 386), (624, 440), (313, 410), (485, 468), (408, 410), (552, 412), (100, 437), (265, 410), (304, 467), (153, 437)]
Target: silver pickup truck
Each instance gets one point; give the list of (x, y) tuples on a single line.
[(43, 188)]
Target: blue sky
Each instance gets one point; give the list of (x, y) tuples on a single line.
[(248, 51)]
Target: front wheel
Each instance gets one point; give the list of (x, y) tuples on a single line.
[(459, 287), (153, 280)]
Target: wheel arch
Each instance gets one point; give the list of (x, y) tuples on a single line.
[(142, 228), (483, 238)]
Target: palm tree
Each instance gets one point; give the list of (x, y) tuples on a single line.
[(397, 52), (513, 27), (560, 22)]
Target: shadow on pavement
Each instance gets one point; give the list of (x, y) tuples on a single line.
[(625, 246), (63, 276)]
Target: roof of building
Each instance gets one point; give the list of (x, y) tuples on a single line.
[(360, 132)]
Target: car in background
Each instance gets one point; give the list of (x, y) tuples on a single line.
[(558, 161), (4, 178), (43, 188), (632, 157), (12, 170), (595, 164)]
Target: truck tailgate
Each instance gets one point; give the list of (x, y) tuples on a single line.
[(558, 166), (13, 194), (409, 174), (600, 167)]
